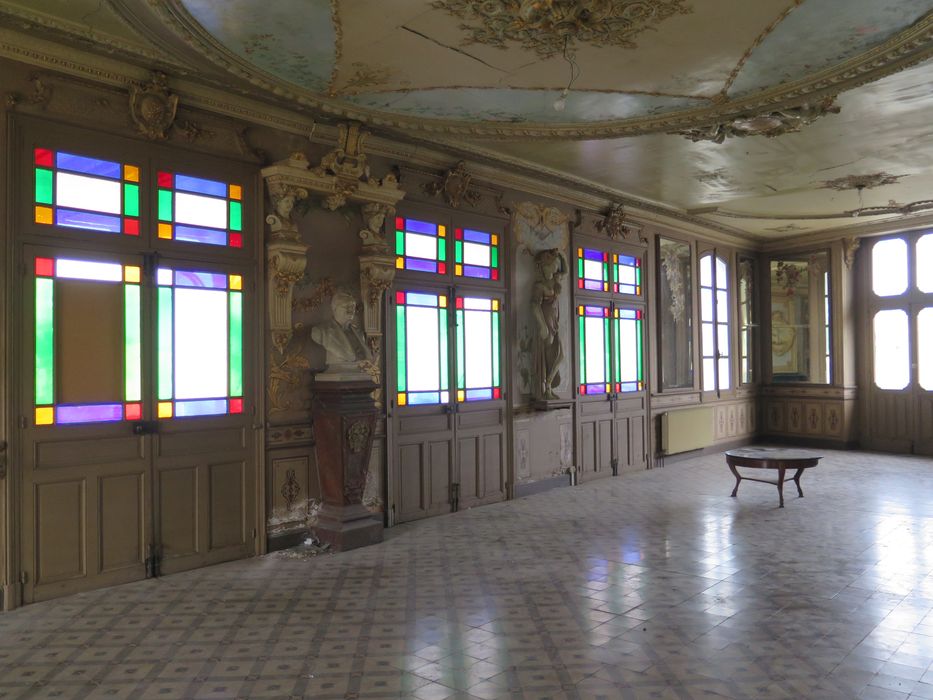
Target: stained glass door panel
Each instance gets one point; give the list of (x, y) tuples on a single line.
[(629, 356), (421, 348), (478, 348), (594, 346)]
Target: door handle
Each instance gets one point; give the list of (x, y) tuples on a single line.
[(145, 427), (450, 408)]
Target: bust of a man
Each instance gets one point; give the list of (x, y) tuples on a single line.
[(343, 342)]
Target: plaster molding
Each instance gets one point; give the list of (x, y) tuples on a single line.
[(286, 261), (863, 230)]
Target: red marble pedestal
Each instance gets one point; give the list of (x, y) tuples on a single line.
[(344, 416)]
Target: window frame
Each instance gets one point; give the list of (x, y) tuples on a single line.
[(717, 355)]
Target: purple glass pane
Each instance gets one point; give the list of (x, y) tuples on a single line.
[(593, 285), (420, 265), (90, 166), (93, 413), (476, 271), (629, 386), (476, 236), (590, 254), (201, 186), (595, 388), (194, 234), (207, 280), (416, 226), (88, 220), (478, 394), (593, 310), (416, 398), (416, 299), (200, 407)]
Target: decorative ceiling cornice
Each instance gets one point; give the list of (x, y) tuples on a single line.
[(861, 182), (909, 47)]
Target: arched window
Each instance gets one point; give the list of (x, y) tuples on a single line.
[(714, 322)]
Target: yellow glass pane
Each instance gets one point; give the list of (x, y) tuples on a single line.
[(461, 395), (165, 231), (165, 409), (45, 415), (495, 239), (236, 192), (442, 301), (400, 263), (401, 400), (236, 282), (441, 231), (495, 304), (459, 269), (131, 173), (44, 215), (131, 274)]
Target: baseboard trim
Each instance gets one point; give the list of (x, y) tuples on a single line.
[(529, 488), (286, 540)]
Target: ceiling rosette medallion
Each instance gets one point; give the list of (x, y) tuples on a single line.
[(549, 27)]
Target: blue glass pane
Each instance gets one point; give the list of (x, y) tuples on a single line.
[(592, 255), (201, 186), (420, 227), (478, 394), (201, 407), (416, 398), (95, 413), (90, 166), (628, 386), (207, 280), (193, 234), (416, 299), (627, 260), (420, 265), (474, 271), (476, 236), (628, 313), (88, 220)]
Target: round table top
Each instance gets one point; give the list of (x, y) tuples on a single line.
[(777, 454)]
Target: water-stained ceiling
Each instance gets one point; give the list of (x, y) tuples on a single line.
[(774, 117)]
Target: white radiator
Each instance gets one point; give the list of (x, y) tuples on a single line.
[(687, 429)]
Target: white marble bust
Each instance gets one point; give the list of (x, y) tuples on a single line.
[(343, 342)]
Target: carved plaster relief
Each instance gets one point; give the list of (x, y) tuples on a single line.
[(455, 186), (153, 107), (770, 123)]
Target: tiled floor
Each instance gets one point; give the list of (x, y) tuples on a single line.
[(653, 585)]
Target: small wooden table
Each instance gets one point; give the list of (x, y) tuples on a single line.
[(771, 458)]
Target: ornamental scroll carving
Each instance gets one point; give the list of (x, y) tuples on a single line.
[(549, 27), (153, 107), (850, 247), (455, 185), (673, 261), (773, 123)]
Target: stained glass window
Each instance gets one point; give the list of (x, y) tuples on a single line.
[(629, 368), (421, 352), (478, 349), (594, 337), (714, 322), (626, 274), (420, 246), (87, 341), (200, 343), (79, 192), (476, 254), (593, 270), (196, 210)]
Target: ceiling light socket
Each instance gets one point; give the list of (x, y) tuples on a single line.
[(561, 102)]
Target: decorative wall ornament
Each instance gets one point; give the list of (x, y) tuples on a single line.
[(357, 435), (746, 272), (455, 186), (850, 247), (770, 123), (286, 262), (861, 182), (290, 489), (787, 275), (40, 97), (153, 107), (615, 225), (672, 263), (285, 372), (548, 350), (538, 226), (549, 27)]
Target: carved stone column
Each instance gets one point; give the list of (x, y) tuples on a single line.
[(344, 416)]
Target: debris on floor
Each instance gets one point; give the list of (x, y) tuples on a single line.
[(311, 547)]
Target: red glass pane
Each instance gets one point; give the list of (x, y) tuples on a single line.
[(459, 234), (400, 297), (497, 393), (45, 267), (459, 302), (236, 405), (133, 411), (164, 179), (442, 268), (44, 157), (131, 227), (495, 274), (236, 240)]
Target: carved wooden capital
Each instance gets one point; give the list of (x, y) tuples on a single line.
[(286, 265), (373, 236), (377, 272)]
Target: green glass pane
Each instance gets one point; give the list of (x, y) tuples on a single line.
[(44, 186), (606, 354), (495, 257), (132, 360), (165, 205), (639, 352), (479, 350), (45, 341), (201, 343), (580, 267), (442, 253), (638, 276), (605, 272), (236, 216), (400, 342), (165, 324), (458, 252), (130, 199), (442, 337), (617, 324), (461, 350), (236, 343), (495, 348), (400, 243), (582, 343)]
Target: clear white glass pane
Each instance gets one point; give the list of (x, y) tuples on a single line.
[(706, 270), (722, 305), (475, 254), (477, 303), (84, 192), (423, 345), (722, 274), (419, 246), (722, 339), (925, 263), (197, 210), (628, 351), (709, 374), (595, 350), (925, 347), (88, 270), (892, 353), (706, 331), (889, 267), (200, 343), (743, 338), (477, 341), (724, 382), (626, 274), (706, 304), (746, 375), (592, 270)]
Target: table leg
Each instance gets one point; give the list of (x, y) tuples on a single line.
[(780, 484), (738, 478), (797, 481)]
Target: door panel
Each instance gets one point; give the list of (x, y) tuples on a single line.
[(122, 522)]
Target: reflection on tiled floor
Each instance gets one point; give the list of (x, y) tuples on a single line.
[(653, 585)]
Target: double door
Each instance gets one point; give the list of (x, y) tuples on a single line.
[(446, 400), (136, 445)]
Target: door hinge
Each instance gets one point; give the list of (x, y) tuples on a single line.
[(454, 497), (23, 577), (154, 561), (614, 463), (254, 533), (22, 422)]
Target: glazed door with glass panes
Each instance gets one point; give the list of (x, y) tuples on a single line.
[(446, 367), (136, 447), (609, 334), (900, 324)]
